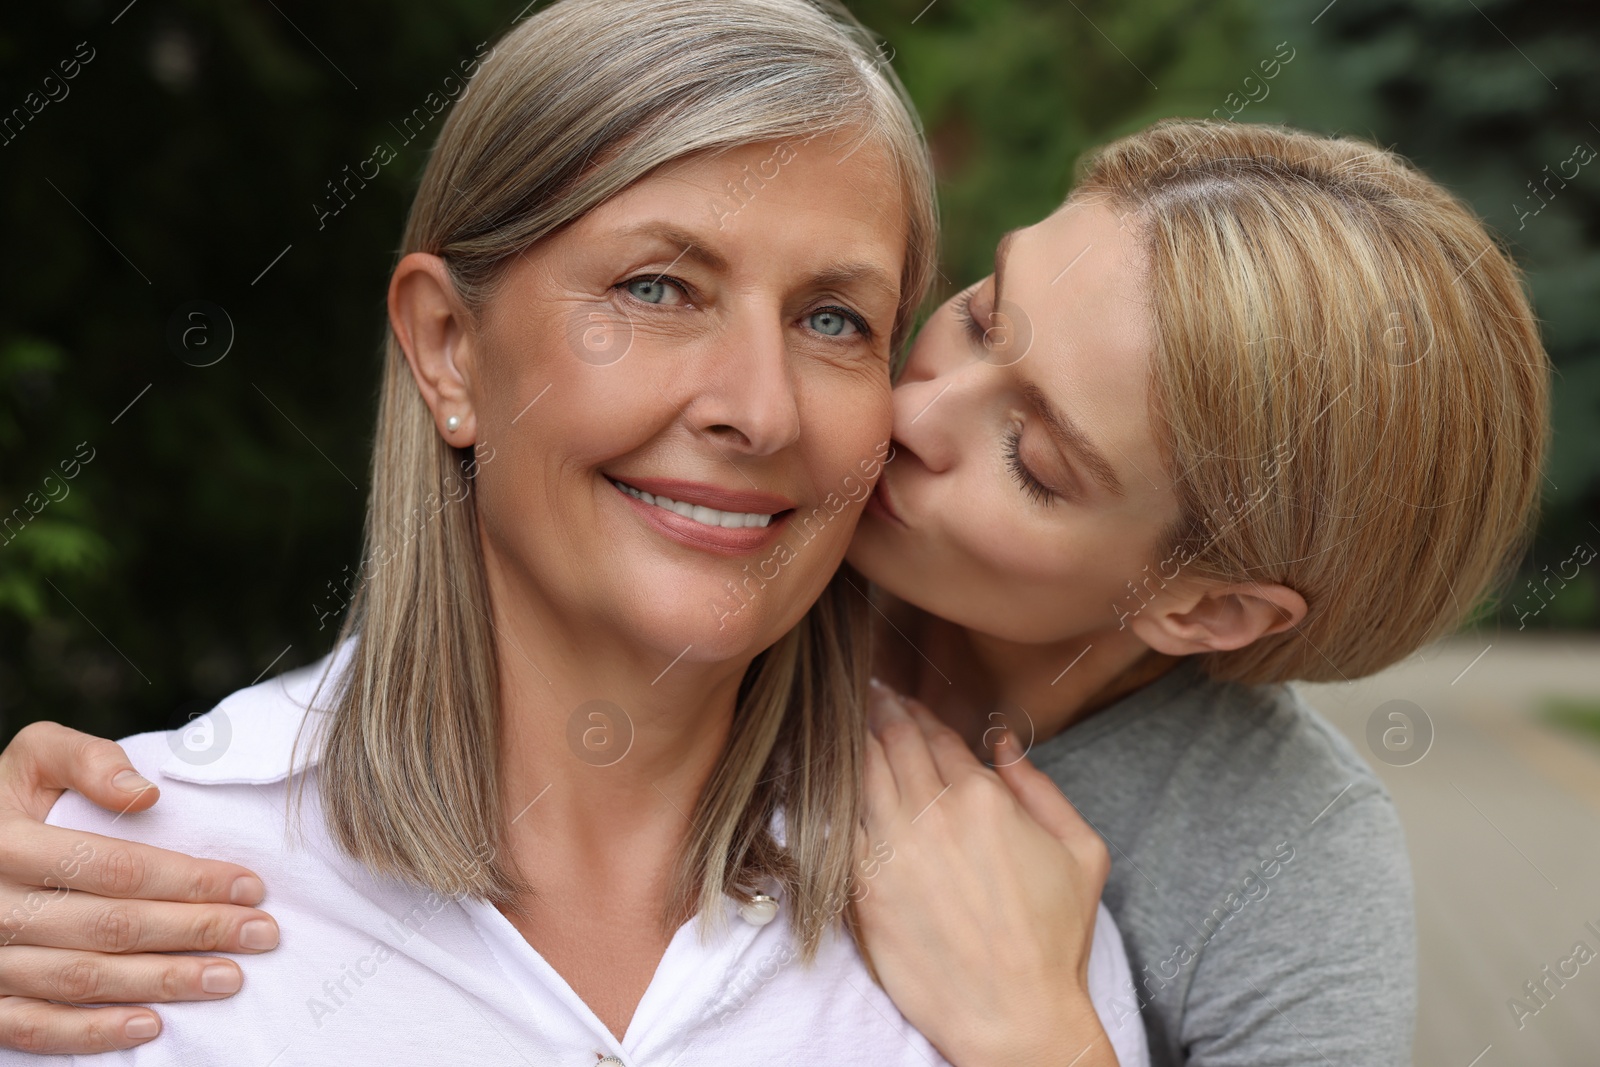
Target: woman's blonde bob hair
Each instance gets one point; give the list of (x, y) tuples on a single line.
[(574, 105), (1348, 380)]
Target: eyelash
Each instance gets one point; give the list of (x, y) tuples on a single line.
[(963, 312), (856, 320), (683, 287), (1041, 493)]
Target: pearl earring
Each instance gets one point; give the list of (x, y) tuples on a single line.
[(453, 423)]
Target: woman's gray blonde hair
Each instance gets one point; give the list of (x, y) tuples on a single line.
[(574, 105)]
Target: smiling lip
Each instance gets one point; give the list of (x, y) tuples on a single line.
[(710, 496), (730, 541)]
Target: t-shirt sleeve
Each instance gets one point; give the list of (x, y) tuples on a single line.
[(1318, 965), (1111, 988)]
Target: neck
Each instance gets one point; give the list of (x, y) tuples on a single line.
[(975, 681), (605, 750), (598, 798)]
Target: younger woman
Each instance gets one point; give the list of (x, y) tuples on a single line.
[(1253, 406)]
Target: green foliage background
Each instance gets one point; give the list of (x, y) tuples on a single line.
[(206, 539)]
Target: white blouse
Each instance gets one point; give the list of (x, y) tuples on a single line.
[(371, 967)]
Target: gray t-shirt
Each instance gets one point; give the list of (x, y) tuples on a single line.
[(1258, 873)]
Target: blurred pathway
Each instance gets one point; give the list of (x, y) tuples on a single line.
[(1502, 817)]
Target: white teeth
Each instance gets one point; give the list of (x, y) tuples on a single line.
[(728, 520)]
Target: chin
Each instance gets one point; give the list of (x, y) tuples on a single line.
[(702, 621)]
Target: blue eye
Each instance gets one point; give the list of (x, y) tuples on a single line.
[(831, 322), (649, 290)]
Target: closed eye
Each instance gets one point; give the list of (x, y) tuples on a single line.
[(1037, 490), (961, 307)]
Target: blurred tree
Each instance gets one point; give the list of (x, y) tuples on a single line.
[(188, 157), (1011, 92)]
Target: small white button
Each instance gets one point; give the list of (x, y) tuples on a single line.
[(761, 910)]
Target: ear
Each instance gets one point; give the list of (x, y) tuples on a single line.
[(1218, 618), (437, 336)]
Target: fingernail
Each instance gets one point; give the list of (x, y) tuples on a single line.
[(258, 934), (142, 1028), (219, 978), (247, 890), (131, 782)]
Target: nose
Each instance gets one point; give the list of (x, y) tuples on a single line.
[(748, 401), (937, 399)]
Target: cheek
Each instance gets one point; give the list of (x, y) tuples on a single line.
[(542, 398), (1083, 556), (846, 417), (551, 420), (845, 428), (517, 492)]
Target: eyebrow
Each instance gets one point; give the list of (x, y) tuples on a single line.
[(1074, 440), (691, 246), (842, 275), (1002, 252), (836, 275)]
